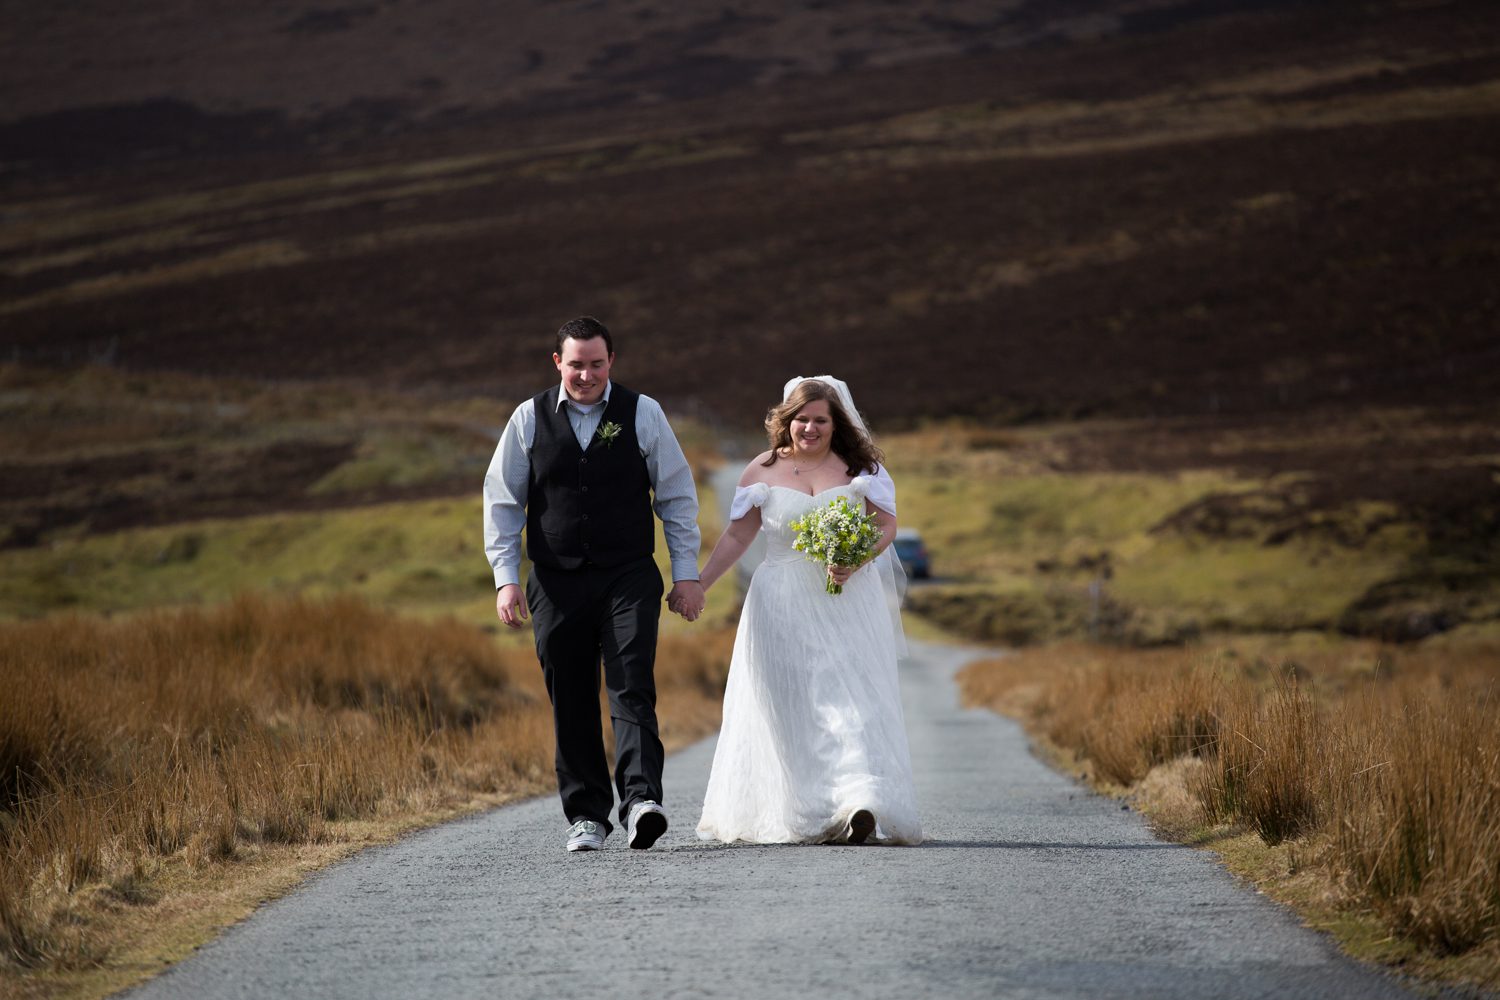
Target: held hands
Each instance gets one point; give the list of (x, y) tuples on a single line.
[(687, 599), (510, 605)]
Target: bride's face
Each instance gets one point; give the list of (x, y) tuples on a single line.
[(812, 429)]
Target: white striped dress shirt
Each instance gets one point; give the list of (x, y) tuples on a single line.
[(674, 495)]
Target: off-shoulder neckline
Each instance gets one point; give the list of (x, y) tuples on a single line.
[(793, 489)]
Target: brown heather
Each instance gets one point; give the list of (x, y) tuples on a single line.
[(1380, 768), (195, 738)]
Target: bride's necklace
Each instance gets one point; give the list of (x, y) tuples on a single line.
[(797, 470)]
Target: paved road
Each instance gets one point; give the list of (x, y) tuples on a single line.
[(1027, 887)]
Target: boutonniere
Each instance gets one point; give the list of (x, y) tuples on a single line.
[(608, 431)]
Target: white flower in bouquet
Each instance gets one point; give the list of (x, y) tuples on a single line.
[(839, 534)]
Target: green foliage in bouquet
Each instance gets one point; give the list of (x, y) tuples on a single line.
[(839, 534)]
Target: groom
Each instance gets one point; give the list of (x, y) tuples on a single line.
[(577, 466)]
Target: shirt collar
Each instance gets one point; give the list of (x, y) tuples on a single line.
[(562, 394)]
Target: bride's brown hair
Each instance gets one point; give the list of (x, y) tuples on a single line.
[(849, 443)]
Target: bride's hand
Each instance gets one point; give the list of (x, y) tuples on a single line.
[(841, 574)]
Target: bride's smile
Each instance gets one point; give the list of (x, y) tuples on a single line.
[(812, 430)]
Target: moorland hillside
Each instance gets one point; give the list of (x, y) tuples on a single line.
[(1096, 207)]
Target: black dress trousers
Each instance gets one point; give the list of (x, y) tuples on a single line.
[(581, 617)]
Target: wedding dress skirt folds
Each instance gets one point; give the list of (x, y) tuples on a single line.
[(813, 727)]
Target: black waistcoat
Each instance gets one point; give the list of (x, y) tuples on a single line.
[(587, 507)]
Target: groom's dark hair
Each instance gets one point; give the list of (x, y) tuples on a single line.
[(584, 328)]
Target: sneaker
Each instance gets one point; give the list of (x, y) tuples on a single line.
[(647, 823), (861, 825), (586, 835)]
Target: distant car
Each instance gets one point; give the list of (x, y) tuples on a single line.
[(912, 552)]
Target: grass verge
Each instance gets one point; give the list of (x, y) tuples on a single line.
[(160, 774), (1357, 782)]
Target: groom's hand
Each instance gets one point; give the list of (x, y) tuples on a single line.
[(687, 599), (510, 605)]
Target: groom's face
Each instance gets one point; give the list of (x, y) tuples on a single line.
[(584, 366)]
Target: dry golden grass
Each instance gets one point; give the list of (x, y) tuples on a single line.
[(141, 759), (1375, 773)]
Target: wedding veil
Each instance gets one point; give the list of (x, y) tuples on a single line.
[(892, 575)]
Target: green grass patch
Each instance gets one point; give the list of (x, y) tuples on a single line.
[(1026, 550), (424, 557), (1247, 585), (1014, 523), (404, 457)]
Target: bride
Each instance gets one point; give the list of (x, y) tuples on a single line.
[(813, 746)]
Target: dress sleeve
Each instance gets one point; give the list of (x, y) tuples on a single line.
[(880, 490), (746, 497)]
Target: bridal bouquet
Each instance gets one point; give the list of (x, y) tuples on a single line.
[(840, 534)]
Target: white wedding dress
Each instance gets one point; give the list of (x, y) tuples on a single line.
[(813, 728)]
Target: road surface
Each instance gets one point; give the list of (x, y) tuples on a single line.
[(1028, 886)]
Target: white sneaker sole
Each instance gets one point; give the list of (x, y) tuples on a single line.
[(649, 827)]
